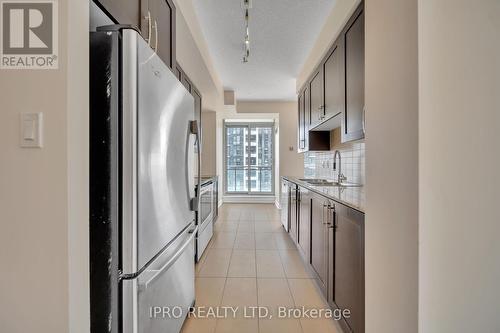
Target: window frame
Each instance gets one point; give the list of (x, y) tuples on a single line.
[(249, 125)]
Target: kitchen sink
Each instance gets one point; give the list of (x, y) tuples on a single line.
[(324, 182)]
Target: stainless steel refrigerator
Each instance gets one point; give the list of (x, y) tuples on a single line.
[(143, 164)]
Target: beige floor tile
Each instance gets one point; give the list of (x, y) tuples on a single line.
[(246, 226), (216, 263), (275, 215), (269, 264), (267, 226), (242, 264), (245, 240), (283, 241), (265, 241), (223, 240), (199, 325), (240, 292), (247, 215), (275, 219), (320, 326), (261, 215), (305, 293), (294, 265), (238, 325), (229, 214), (226, 226), (250, 242), (209, 291), (280, 325), (274, 293)]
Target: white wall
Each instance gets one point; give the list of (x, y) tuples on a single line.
[(209, 149), (44, 192), (459, 128), (391, 224), (192, 55), (77, 122), (290, 162)]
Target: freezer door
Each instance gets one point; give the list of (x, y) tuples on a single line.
[(158, 300), (158, 154)]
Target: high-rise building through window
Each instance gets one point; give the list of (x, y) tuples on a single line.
[(249, 158)]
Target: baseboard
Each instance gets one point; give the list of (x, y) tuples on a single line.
[(248, 199)]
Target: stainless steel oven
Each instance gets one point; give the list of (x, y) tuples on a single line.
[(205, 218)]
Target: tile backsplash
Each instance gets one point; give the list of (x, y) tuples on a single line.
[(320, 164)]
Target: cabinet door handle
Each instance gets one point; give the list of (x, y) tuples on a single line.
[(148, 18), (334, 218), (325, 220), (363, 119), (156, 37)]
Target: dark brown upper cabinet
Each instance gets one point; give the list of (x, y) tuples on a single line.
[(186, 81), (316, 95), (301, 129), (334, 82), (336, 87), (306, 97), (197, 110), (155, 19), (124, 11), (309, 140), (353, 120), (162, 29)]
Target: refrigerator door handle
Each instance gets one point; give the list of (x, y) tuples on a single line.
[(171, 261), (194, 129)]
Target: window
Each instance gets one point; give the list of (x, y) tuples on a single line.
[(249, 160)]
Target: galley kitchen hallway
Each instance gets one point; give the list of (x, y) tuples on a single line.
[(251, 261)]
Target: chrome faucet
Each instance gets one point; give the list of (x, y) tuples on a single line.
[(340, 178)]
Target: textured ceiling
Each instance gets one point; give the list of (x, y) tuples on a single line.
[(282, 33)]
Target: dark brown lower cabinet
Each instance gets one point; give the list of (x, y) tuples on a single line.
[(330, 237), (292, 229), (215, 210), (319, 240), (347, 278), (304, 222)]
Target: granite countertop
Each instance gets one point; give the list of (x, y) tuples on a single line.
[(353, 197)]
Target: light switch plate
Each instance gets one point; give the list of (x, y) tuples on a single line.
[(31, 130)]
